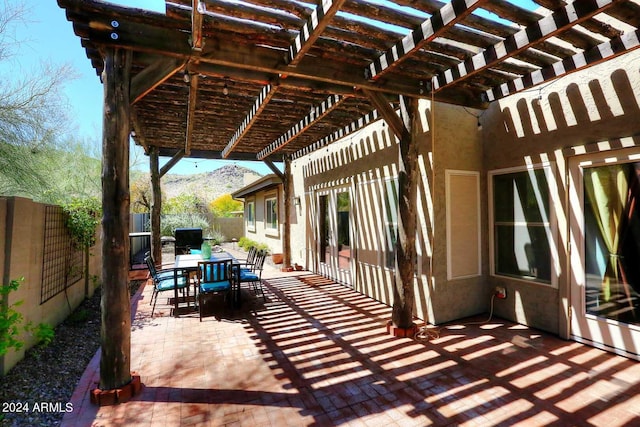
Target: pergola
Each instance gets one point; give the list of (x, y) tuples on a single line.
[(274, 80)]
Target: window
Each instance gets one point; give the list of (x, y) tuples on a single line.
[(251, 215), (343, 230), (271, 213), (324, 227), (521, 228)]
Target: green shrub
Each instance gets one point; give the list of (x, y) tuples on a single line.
[(215, 237), (82, 219), (44, 333), (10, 319), (169, 222), (246, 244)]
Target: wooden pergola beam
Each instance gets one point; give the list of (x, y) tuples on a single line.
[(604, 51), (339, 134), (152, 77), (171, 163), (265, 78), (139, 136), (316, 114), (549, 26), (312, 29), (191, 112), (274, 168), (197, 9), (387, 113), (441, 21), (250, 119), (173, 43)]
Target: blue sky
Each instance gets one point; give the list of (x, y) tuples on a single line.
[(49, 37)]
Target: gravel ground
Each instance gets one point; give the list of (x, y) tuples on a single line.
[(50, 374)]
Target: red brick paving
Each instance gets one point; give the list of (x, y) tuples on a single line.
[(317, 354)]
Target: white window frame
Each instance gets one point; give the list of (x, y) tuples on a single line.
[(251, 221), (551, 227), (268, 229)]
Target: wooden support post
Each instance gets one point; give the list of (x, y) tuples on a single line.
[(115, 360), (406, 128), (287, 194), (156, 204), (403, 291)]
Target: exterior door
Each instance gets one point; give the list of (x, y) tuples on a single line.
[(605, 254), (334, 233)]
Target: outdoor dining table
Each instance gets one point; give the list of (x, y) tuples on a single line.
[(189, 263)]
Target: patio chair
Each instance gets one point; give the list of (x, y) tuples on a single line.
[(214, 278), (253, 275), (251, 258), (153, 269), (165, 280)]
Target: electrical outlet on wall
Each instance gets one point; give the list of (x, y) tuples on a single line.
[(500, 292)]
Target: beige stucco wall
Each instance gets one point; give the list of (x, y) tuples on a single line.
[(581, 109), (22, 241), (259, 233), (362, 163), (537, 126)]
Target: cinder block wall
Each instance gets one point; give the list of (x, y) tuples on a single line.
[(231, 228), (22, 244)]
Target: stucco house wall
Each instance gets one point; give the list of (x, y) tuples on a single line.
[(365, 164), (257, 231), (591, 109), (539, 126)]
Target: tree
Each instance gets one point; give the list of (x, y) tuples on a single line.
[(31, 111), (225, 205), (140, 190), (183, 204), (73, 173)]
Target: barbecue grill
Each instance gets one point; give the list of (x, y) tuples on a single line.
[(187, 239)]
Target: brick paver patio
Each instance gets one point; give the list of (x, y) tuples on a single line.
[(317, 354)]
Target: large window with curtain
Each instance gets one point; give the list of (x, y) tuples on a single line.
[(612, 242), (521, 225)]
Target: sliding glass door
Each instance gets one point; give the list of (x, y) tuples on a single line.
[(334, 234), (606, 256)]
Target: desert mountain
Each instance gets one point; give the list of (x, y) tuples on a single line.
[(208, 185)]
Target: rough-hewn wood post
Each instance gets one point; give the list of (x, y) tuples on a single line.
[(286, 234), (156, 204), (406, 128), (403, 292), (116, 308)]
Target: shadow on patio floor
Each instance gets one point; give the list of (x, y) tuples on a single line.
[(316, 353)]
